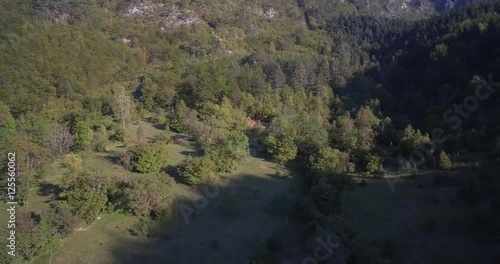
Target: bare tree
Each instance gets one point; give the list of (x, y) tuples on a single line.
[(61, 139), (122, 105)]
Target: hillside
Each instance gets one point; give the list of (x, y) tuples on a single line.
[(236, 131)]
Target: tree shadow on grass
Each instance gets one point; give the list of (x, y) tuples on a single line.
[(113, 158), (48, 189), (218, 230), (171, 170)]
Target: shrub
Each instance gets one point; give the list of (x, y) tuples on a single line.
[(100, 140), (444, 161), (149, 197), (87, 197), (374, 165), (325, 198), (282, 150), (74, 166), (83, 136), (196, 171), (331, 160), (412, 140), (160, 117), (64, 220), (148, 158), (229, 151), (405, 166)]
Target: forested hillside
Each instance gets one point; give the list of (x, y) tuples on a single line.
[(119, 108)]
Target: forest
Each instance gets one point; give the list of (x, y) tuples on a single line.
[(310, 119)]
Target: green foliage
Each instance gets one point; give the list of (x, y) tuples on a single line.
[(87, 197), (329, 160), (325, 198), (36, 239), (281, 151), (63, 219), (196, 171), (445, 161), (74, 167), (7, 122), (412, 140), (83, 136), (149, 197), (159, 117), (148, 158), (229, 151), (374, 165), (100, 140), (440, 52)]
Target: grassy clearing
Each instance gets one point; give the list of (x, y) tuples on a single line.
[(230, 228), (420, 222)]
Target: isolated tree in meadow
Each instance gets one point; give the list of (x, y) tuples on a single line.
[(196, 171), (229, 151), (151, 157), (87, 197), (148, 195)]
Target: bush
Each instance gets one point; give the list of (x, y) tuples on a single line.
[(64, 220), (405, 166), (100, 140), (87, 197), (159, 118), (83, 136), (325, 198), (374, 165), (444, 161), (229, 151), (196, 171), (331, 160), (282, 150), (148, 197), (412, 140), (147, 158)]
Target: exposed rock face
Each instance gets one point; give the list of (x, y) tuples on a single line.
[(176, 17), (144, 8)]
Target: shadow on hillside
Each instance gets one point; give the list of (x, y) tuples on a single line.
[(236, 220), (219, 225), (458, 211)]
